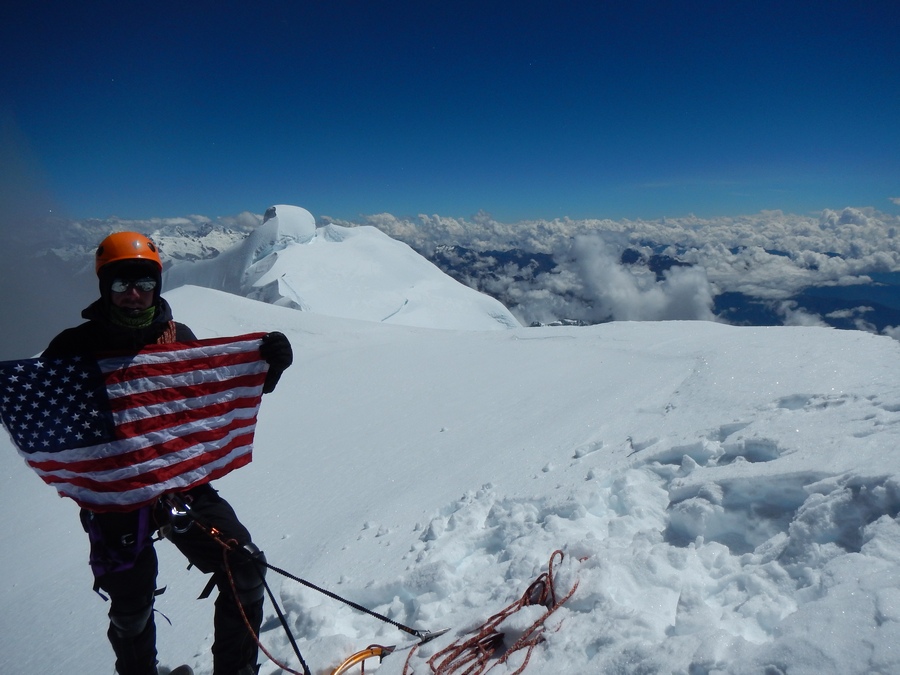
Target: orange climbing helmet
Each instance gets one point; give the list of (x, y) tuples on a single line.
[(126, 246)]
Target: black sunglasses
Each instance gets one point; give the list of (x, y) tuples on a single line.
[(122, 285)]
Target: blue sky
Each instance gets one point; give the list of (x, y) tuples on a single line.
[(530, 110)]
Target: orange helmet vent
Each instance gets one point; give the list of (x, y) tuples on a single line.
[(126, 246)]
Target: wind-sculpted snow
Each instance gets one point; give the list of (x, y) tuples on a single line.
[(357, 273), (237, 269), (287, 225)]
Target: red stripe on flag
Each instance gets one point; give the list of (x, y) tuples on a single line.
[(154, 476), (204, 343), (128, 458), (85, 500), (158, 423), (189, 391), (129, 372)]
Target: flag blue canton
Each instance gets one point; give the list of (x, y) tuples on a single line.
[(54, 405), (116, 432)]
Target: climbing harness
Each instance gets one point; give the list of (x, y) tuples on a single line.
[(183, 518)]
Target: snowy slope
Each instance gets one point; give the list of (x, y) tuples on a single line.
[(357, 273), (726, 498)]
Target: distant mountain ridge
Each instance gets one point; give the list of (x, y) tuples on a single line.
[(533, 286)]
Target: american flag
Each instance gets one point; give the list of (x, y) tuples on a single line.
[(115, 433)]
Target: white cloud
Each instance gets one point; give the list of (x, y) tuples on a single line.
[(795, 316), (628, 295), (849, 313), (769, 254), (892, 331)]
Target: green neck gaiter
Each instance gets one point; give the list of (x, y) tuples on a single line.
[(141, 319)]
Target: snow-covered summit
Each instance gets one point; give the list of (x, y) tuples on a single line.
[(727, 499), (357, 273)]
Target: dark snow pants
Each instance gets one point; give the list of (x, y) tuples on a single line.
[(132, 629)]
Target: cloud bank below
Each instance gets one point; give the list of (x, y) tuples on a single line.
[(545, 271)]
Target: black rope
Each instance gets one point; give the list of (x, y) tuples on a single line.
[(230, 547), (354, 605), (182, 507), (284, 623)]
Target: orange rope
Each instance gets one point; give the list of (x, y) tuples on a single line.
[(227, 547), (474, 653)]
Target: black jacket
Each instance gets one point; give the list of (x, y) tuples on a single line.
[(98, 334)]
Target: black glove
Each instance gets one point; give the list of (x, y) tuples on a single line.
[(276, 350)]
